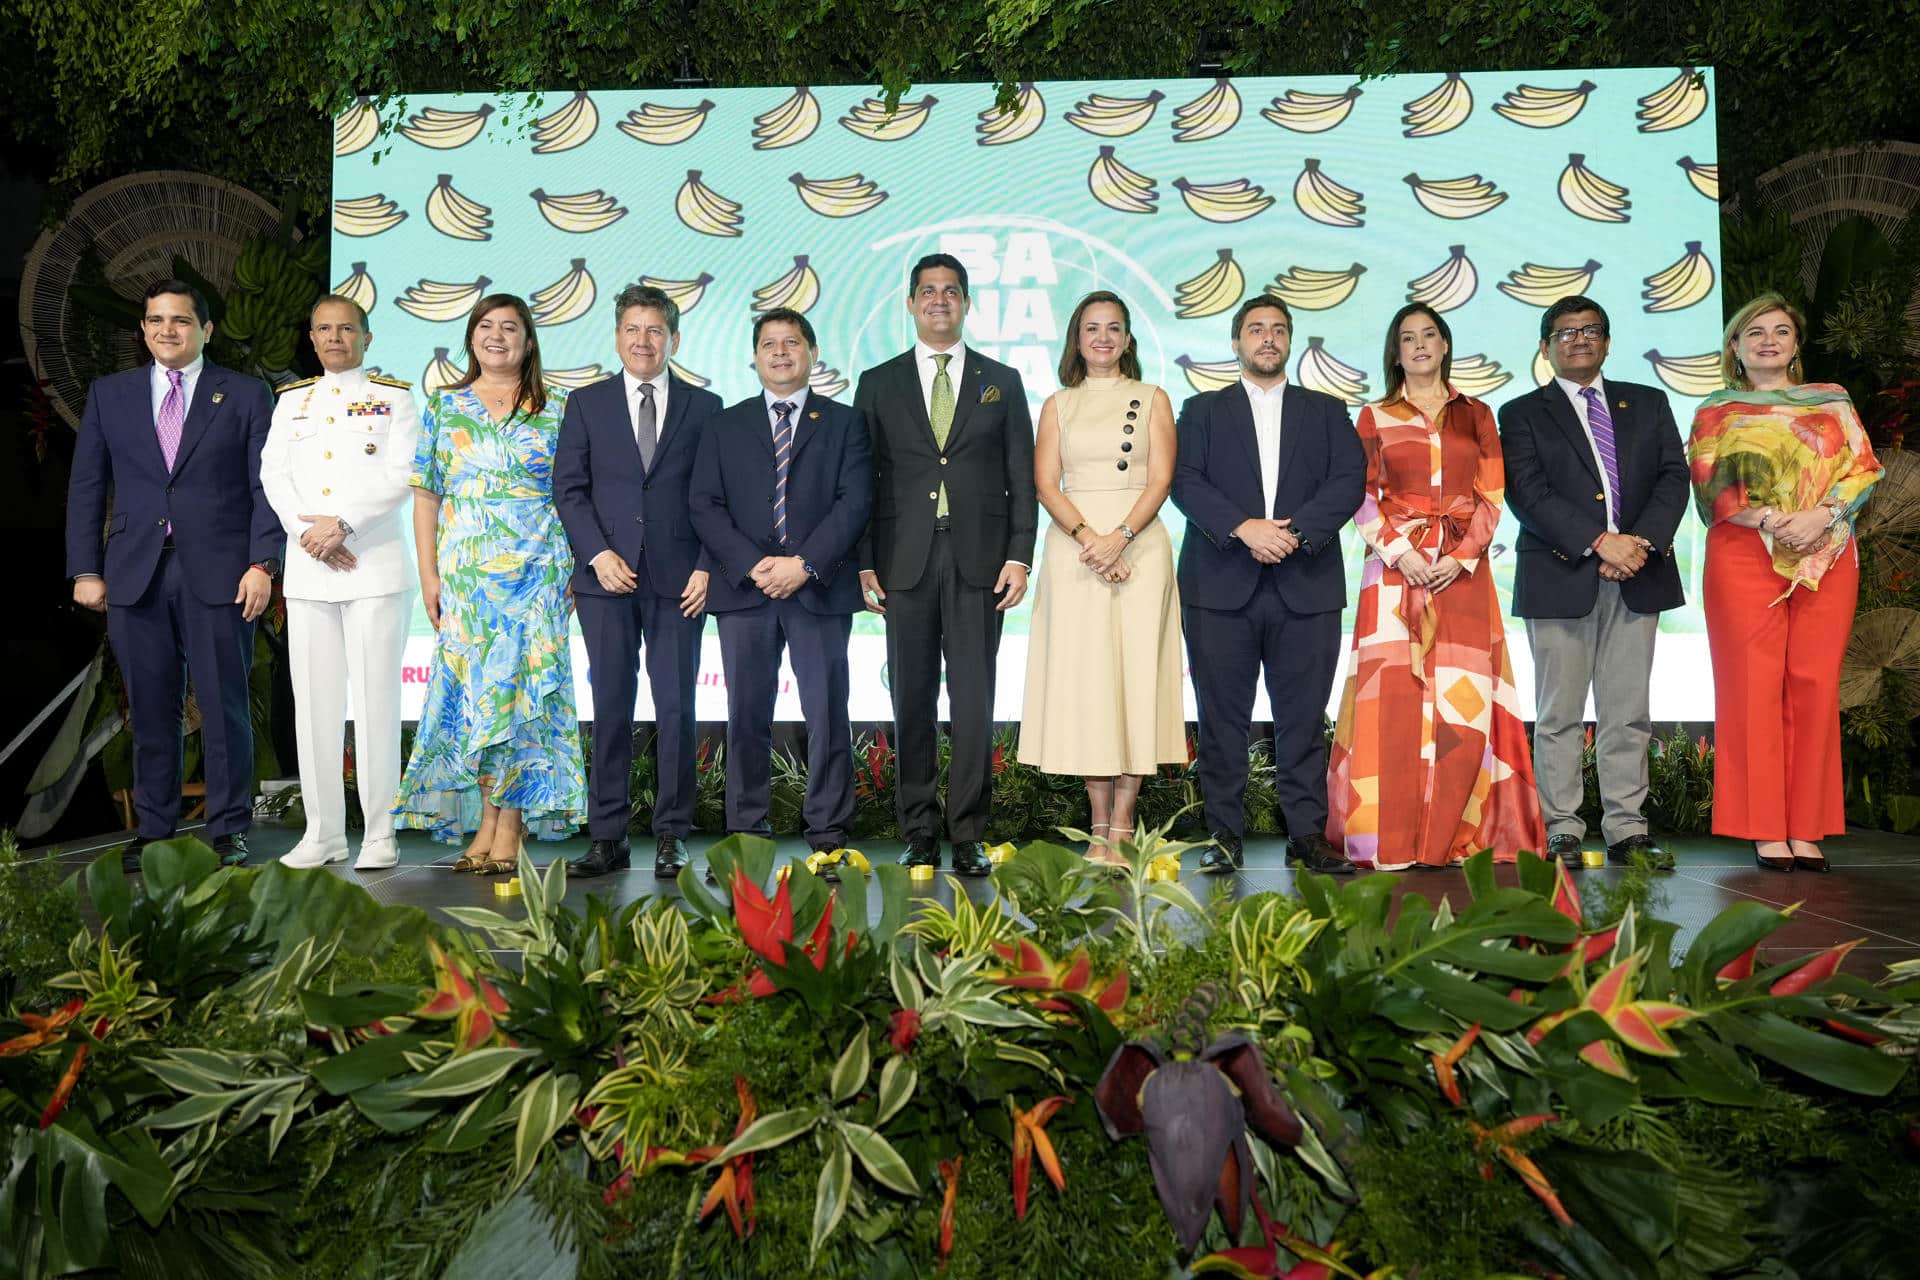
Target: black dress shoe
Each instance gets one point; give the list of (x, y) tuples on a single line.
[(1226, 855), (1567, 849), (232, 849), (670, 856), (1315, 853), (130, 854), (970, 860), (1621, 852), (601, 857), (922, 851)]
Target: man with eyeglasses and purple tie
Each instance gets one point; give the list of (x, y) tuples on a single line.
[(1597, 478)]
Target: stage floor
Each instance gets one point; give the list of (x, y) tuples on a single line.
[(1873, 892)]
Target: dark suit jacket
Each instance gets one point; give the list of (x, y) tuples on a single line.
[(829, 497), (607, 500), (1216, 485), (987, 467), (1554, 491), (221, 519)]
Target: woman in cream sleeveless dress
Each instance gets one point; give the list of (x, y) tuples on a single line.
[(1104, 660)]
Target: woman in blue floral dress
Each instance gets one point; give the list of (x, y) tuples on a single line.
[(498, 747)]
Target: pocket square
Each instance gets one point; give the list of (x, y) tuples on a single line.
[(990, 394)]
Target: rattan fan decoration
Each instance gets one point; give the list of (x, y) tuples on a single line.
[(134, 226), (1884, 640), (1890, 522)]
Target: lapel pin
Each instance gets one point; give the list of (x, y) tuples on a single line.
[(218, 396), (812, 414), (1623, 404)]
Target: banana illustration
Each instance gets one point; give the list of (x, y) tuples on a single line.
[(794, 120), (440, 372), (687, 376), (366, 216), (445, 130), (1681, 285), (1542, 369), (441, 300), (846, 197), (872, 121), (1539, 108), (1209, 375), (573, 379), (1209, 115), (1441, 109), (1479, 376), (355, 127), (797, 290), (1688, 375), (567, 298), (663, 126), (705, 210), (1539, 286), (566, 128), (1320, 370), (1324, 200), (997, 127), (1467, 197), (1591, 196), (1678, 102), (1704, 177), (359, 288), (452, 214), (1311, 112), (686, 294), (822, 381), (1451, 284), (1118, 187), (1233, 201), (1312, 290), (582, 214), (1214, 290), (1115, 117)]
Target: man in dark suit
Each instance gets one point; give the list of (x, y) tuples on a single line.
[(1268, 475), (782, 488), (188, 562), (954, 517), (1597, 478), (620, 475)]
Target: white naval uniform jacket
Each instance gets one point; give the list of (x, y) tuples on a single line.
[(342, 445)]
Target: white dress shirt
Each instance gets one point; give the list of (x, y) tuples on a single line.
[(799, 402), (1266, 433), (1573, 391), (189, 378), (659, 384), (926, 366)]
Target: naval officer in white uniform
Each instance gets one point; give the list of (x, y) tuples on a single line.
[(335, 469)]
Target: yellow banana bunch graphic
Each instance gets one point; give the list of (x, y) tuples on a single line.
[(1451, 284), (997, 127), (1115, 117), (1704, 177), (568, 298), (582, 214), (1591, 196), (441, 300), (1311, 112), (1688, 375), (1214, 290), (1539, 108), (1441, 109), (1234, 201), (1311, 290), (1479, 376), (1467, 197), (445, 130), (1320, 370), (566, 128), (366, 216), (1681, 285), (1539, 286), (822, 381), (356, 127), (452, 214), (663, 126), (358, 288), (1542, 369), (1118, 187), (686, 294), (1209, 115), (797, 290), (1324, 200), (1678, 102), (1209, 375), (794, 120), (687, 376), (846, 197), (574, 379), (871, 120), (705, 210), (440, 372)]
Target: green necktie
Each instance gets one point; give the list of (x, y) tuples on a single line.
[(941, 413)]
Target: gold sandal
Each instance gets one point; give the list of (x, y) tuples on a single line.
[(491, 866)]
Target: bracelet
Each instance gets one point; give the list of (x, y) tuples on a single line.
[(1074, 532), (1766, 514), (1126, 531)]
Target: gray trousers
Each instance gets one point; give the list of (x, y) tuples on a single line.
[(1611, 650)]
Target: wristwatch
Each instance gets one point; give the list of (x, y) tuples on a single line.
[(1126, 531), (270, 567), (344, 526), (807, 568)]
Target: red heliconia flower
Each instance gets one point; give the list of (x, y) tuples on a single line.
[(1589, 738), (999, 758), (734, 1187), (906, 1030), (1740, 967), (1816, 969), (42, 1031), (950, 1175), (63, 1091), (1030, 1138), (1444, 1063), (1702, 750), (1031, 969), (1501, 1140), (766, 925), (465, 996)]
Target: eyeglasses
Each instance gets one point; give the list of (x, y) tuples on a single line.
[(1588, 331)]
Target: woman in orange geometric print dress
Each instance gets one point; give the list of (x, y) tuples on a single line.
[(1430, 761)]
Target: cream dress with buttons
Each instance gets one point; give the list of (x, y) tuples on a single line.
[(1104, 659)]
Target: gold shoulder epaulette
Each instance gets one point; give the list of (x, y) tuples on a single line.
[(285, 387), (385, 381)]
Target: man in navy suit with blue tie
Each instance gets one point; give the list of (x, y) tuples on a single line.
[(1267, 476), (782, 489), (620, 476), (188, 559)]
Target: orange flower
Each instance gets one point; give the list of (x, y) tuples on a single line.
[(1444, 1063), (1030, 1137), (1502, 1138), (950, 1175)]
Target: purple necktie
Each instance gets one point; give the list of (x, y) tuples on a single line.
[(172, 419), (782, 462), (1601, 424)]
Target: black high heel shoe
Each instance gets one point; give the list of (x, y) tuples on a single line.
[(1817, 864), (1783, 865)]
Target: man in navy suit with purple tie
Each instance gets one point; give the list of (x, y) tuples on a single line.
[(188, 559)]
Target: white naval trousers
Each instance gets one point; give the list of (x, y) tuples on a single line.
[(334, 646)]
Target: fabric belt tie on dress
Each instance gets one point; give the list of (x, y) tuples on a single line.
[(1445, 519)]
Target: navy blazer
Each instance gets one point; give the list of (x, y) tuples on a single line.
[(221, 519), (1554, 491), (1217, 484), (608, 500), (829, 497)]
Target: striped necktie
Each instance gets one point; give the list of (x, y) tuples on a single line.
[(782, 463), (1600, 423)]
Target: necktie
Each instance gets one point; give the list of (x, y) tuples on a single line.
[(940, 412), (1600, 422), (782, 461), (172, 418), (643, 426)]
